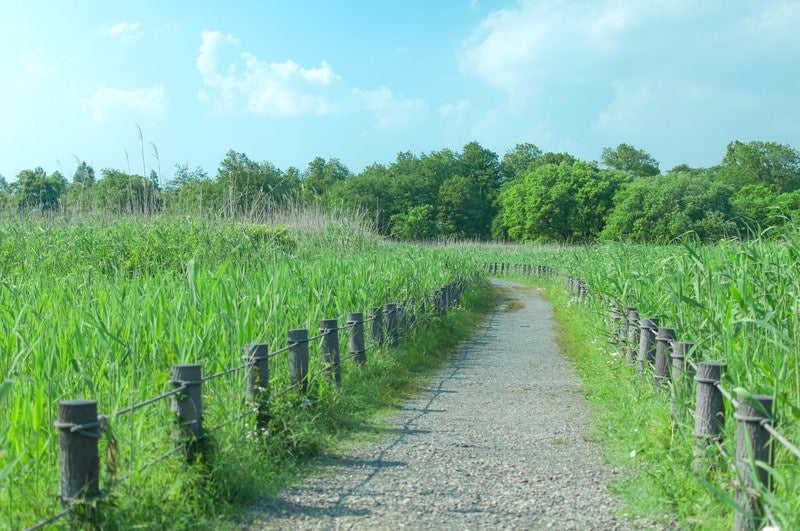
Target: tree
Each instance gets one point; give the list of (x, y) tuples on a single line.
[(35, 189), (462, 210), (126, 193), (369, 191), (776, 166), (247, 185), (518, 161), (321, 175), (84, 175), (482, 165), (557, 202), (627, 158), (760, 207), (668, 207)]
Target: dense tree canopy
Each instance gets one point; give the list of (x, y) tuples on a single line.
[(627, 158), (528, 195)]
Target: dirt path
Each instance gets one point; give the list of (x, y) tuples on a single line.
[(496, 441)]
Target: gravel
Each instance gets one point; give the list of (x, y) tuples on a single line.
[(497, 440)]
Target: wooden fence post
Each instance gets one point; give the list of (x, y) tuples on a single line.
[(79, 464), (646, 342), (355, 343), (709, 410), (330, 348), (258, 383), (664, 338), (392, 333), (376, 325), (298, 357), (188, 407), (615, 319), (680, 378), (633, 335), (753, 446)]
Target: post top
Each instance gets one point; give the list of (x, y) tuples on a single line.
[(77, 402)]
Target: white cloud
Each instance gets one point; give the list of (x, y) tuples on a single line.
[(129, 30), (390, 111), (108, 100), (249, 84), (455, 110), (624, 114), (520, 49)]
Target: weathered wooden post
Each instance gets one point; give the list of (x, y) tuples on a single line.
[(188, 407), (633, 335), (753, 446), (664, 338), (376, 325), (257, 354), (681, 377), (392, 333), (298, 358), (615, 319), (647, 329), (709, 410), (330, 349), (78, 433), (355, 343)]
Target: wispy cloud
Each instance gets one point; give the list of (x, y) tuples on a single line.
[(248, 84), (107, 101), (38, 64), (389, 110), (129, 30)]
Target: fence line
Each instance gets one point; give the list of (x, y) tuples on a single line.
[(647, 344), (80, 427)]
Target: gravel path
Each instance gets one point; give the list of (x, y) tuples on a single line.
[(496, 441)]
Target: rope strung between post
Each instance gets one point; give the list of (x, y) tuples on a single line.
[(725, 393), (131, 409), (52, 519), (767, 425), (226, 372), (238, 417), (288, 389), (282, 350), (152, 462)]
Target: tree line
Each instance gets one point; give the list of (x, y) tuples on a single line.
[(526, 195)]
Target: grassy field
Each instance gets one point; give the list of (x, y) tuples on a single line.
[(100, 308), (738, 302)]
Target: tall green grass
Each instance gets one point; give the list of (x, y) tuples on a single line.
[(100, 307)]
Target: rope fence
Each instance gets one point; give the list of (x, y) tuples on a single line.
[(654, 350), (80, 427)]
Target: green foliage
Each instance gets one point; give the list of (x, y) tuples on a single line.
[(121, 192), (247, 186), (665, 208), (763, 208), (321, 175), (419, 223), (517, 162), (463, 212), (775, 166), (35, 189), (564, 202), (100, 307), (627, 158)]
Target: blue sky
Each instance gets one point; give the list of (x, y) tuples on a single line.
[(363, 80)]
